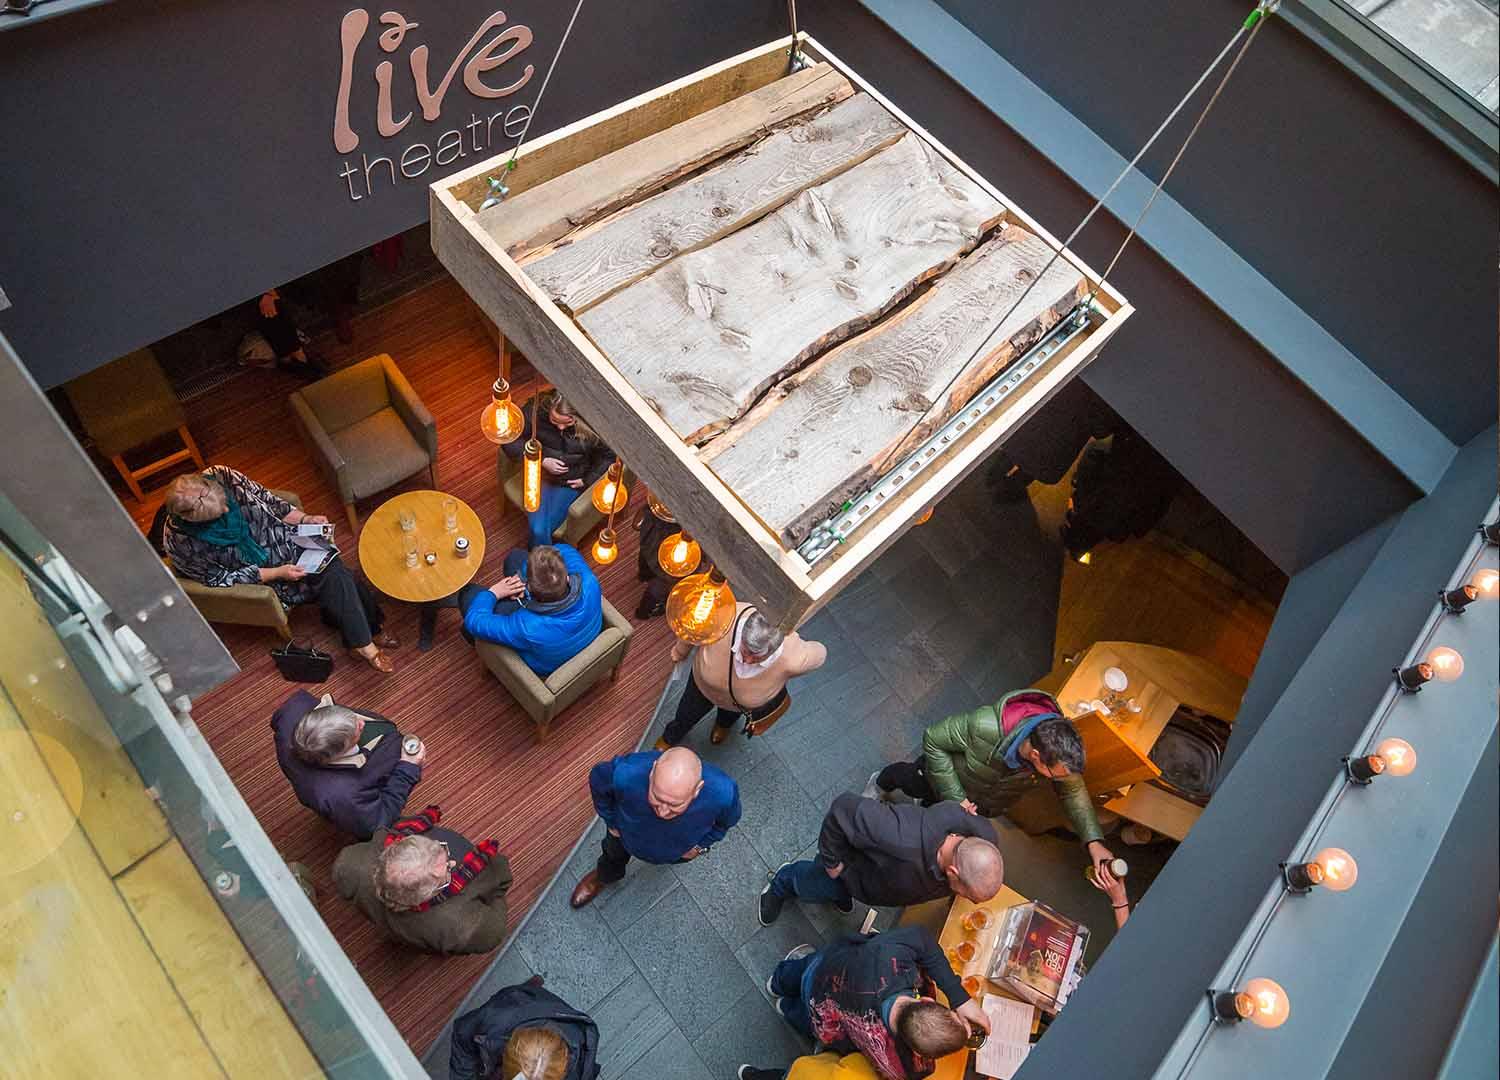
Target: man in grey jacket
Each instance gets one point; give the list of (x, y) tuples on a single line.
[(891, 856)]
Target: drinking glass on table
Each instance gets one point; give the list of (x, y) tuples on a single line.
[(977, 920), (410, 545), (406, 519), (450, 514), (972, 985), (965, 951)]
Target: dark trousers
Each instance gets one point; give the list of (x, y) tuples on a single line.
[(786, 983), (514, 566), (910, 777), (280, 332), (693, 705), (348, 605), (808, 881), (613, 858)]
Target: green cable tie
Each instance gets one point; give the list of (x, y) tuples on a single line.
[(848, 505)]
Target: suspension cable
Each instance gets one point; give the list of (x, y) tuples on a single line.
[(1251, 25)]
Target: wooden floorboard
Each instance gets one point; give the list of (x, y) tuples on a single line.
[(483, 766)]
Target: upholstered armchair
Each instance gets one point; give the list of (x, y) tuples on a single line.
[(543, 699), (249, 605), (582, 517), (367, 430)]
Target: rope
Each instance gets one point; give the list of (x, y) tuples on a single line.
[(537, 105), (1252, 25), (791, 14)]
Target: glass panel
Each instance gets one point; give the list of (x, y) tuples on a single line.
[(1459, 39), (135, 880)]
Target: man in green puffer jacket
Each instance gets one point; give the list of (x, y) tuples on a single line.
[(993, 755)]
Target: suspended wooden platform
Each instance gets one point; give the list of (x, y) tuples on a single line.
[(766, 289)]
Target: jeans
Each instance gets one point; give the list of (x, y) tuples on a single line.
[(693, 704), (787, 982), (807, 880), (544, 520), (909, 777), (514, 566)]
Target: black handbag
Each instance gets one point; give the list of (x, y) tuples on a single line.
[(299, 663)]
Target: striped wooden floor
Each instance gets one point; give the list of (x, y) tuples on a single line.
[(483, 766)]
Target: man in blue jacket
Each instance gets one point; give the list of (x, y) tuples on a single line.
[(546, 608), (659, 806)]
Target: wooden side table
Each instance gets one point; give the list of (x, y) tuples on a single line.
[(955, 1066), (383, 558)]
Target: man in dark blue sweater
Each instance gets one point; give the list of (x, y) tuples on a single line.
[(660, 806)]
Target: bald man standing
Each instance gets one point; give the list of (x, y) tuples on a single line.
[(659, 806), (891, 856)]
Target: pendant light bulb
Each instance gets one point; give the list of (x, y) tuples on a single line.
[(1399, 757), (531, 477), (501, 422), (606, 549), (658, 508), (610, 493), (1271, 1005), (925, 516), (679, 554), (701, 608)]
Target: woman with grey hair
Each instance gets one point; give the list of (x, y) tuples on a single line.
[(223, 528), (743, 674)]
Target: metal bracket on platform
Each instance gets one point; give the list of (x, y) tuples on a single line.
[(828, 534)]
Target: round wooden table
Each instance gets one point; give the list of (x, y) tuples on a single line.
[(383, 559)]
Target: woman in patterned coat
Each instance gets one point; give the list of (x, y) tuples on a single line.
[(224, 529)]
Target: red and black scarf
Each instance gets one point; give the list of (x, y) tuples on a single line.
[(467, 868)]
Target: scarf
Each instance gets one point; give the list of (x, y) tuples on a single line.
[(1030, 724), (229, 529), (549, 607), (468, 868)]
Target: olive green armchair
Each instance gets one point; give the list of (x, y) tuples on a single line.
[(543, 699), (583, 516), (367, 430), (248, 605)]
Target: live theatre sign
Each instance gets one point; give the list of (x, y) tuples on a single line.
[(491, 66)]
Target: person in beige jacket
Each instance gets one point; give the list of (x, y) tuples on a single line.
[(744, 672)]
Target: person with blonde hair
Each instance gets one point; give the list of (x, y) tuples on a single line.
[(222, 529), (573, 458), (526, 1031)]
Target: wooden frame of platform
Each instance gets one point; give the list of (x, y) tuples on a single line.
[(591, 180)]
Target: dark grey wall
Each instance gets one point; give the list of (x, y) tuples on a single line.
[(1152, 978), (165, 159), (1286, 470), (1361, 217)]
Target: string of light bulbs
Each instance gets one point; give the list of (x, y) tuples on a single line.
[(1261, 1000)]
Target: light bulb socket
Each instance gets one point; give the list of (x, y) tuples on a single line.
[(1491, 532), (1455, 600), (1410, 679), (501, 389), (1363, 770), (1302, 878), (1230, 1006)]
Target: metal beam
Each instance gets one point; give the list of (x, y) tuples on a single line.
[(1385, 420)]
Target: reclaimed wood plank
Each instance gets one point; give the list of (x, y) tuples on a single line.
[(823, 435), (543, 157), (596, 261), (707, 334), (594, 188)]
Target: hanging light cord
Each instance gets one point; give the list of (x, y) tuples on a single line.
[(1251, 26), (791, 14), (536, 105)]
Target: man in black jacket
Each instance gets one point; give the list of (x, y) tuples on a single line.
[(875, 995), (887, 855), (347, 766), (480, 1037)]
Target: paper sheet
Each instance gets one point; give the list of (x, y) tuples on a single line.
[(1010, 1037)]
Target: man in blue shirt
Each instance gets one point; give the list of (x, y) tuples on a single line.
[(546, 608), (660, 806)]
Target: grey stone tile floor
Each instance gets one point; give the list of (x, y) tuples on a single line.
[(671, 961)]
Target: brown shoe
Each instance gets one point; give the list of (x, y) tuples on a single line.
[(662, 744), (718, 735), (387, 641), (588, 888), (379, 661)]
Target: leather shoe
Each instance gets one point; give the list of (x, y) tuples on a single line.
[(662, 745), (587, 889), (718, 735)]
